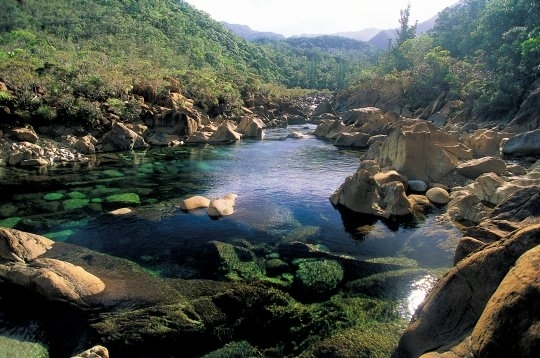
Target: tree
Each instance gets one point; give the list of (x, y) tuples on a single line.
[(404, 33)]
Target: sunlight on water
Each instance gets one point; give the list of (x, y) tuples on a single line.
[(418, 292)]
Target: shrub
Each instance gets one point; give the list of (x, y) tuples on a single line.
[(45, 114), (5, 98)]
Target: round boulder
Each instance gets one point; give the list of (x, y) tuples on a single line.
[(438, 196)]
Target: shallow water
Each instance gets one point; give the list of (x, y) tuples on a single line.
[(283, 187)]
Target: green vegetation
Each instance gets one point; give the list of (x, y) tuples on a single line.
[(65, 62), (484, 53)]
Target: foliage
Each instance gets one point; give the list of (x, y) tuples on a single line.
[(499, 40)]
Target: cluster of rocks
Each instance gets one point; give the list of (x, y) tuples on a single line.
[(487, 304)]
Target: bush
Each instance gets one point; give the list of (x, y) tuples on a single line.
[(5, 98), (45, 114)]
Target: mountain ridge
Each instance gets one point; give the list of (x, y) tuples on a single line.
[(374, 36)]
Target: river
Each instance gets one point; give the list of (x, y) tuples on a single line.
[(283, 186)]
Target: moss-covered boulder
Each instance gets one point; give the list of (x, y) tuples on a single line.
[(74, 204), (116, 201), (317, 279), (53, 196)]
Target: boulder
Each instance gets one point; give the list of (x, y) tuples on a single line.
[(510, 322), (438, 196), (362, 193), (222, 206), (475, 167), (54, 279), (417, 186), (467, 292), (195, 202), (225, 133), (359, 193), (94, 352), (20, 246), (359, 140), (329, 129), (251, 126), (419, 150), (523, 144), (394, 199), (484, 142), (24, 135), (121, 138), (390, 176)]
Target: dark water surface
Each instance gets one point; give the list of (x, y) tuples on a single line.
[(283, 186)]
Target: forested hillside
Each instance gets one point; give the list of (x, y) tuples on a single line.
[(485, 53), (75, 52), (59, 57)]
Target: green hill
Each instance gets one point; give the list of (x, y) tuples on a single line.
[(96, 50)]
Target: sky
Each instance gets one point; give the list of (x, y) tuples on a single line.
[(297, 17)]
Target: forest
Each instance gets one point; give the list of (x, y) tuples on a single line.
[(60, 59)]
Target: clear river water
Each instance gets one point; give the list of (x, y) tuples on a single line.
[(283, 186)]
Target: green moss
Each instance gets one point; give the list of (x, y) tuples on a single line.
[(112, 173), (60, 236), (318, 279), (236, 262), (75, 204), (241, 349), (10, 222), (76, 195), (389, 285), (53, 196), (125, 199)]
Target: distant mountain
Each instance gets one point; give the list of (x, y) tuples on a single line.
[(362, 35), (383, 38), (378, 38), (249, 34)]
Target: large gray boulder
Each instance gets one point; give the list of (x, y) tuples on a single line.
[(452, 310), (421, 151), (121, 138), (523, 144), (371, 194), (251, 126), (475, 167)]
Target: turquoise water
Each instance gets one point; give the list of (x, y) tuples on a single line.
[(283, 186)]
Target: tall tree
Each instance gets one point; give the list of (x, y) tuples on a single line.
[(405, 32)]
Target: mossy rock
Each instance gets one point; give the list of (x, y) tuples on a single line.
[(76, 195), (100, 191), (121, 200), (241, 349), (378, 341), (317, 279), (112, 173), (10, 222), (233, 262), (386, 285), (74, 204), (53, 196), (8, 209), (59, 236)]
